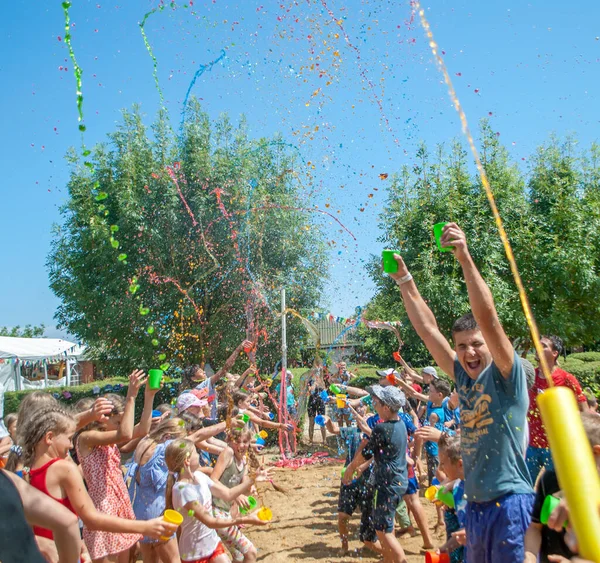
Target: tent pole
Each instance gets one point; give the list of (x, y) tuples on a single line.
[(45, 376), (18, 375)]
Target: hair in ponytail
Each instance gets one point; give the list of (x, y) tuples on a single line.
[(176, 454)]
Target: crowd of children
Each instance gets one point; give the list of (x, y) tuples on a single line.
[(118, 477), (478, 445)]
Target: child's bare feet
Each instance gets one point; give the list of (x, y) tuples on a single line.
[(439, 528), (409, 530)]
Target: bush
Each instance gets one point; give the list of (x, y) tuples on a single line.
[(571, 362), (364, 380), (70, 395), (585, 356), (588, 375)]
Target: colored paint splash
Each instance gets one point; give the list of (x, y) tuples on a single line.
[(159, 8), (76, 68), (535, 335)]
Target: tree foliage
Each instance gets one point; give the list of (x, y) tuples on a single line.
[(28, 331), (184, 242), (552, 217)]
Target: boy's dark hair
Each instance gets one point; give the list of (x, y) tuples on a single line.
[(238, 397), (464, 323), (450, 445), (557, 343), (187, 377), (591, 425), (441, 386)]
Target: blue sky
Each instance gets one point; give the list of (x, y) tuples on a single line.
[(355, 98)]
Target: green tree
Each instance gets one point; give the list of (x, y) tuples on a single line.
[(28, 331), (565, 211), (184, 243), (553, 223)]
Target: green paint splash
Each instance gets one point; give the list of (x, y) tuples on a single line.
[(159, 8), (76, 68)]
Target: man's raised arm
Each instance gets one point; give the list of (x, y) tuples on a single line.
[(422, 319), (481, 300)]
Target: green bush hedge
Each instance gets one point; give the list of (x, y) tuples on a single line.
[(70, 395), (585, 356), (571, 362), (588, 375)]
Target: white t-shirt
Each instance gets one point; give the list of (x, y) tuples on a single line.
[(214, 406), (197, 540)]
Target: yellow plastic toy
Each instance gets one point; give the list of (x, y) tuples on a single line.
[(265, 514), (575, 466), (431, 493), (173, 517)]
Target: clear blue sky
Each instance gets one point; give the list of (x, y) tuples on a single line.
[(533, 66)]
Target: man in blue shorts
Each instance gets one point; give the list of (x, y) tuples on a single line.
[(493, 397)]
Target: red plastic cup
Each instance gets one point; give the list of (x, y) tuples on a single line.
[(433, 557)]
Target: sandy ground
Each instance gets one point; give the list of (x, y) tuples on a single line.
[(304, 526)]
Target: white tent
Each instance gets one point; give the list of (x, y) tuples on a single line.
[(17, 353)]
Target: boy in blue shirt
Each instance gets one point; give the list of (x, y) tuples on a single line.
[(359, 493), (493, 397), (387, 445)]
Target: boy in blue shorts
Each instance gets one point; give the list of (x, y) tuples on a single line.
[(387, 445), (492, 390), (359, 493)]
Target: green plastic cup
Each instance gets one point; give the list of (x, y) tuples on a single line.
[(154, 378), (252, 502), (437, 233), (335, 389), (445, 497), (550, 503), (390, 266)]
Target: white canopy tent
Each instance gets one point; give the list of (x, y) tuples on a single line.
[(17, 353)]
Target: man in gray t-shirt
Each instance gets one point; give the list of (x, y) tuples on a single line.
[(493, 397)]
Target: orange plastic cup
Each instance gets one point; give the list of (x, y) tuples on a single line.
[(173, 517)]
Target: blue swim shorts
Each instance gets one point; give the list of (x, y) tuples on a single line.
[(496, 529)]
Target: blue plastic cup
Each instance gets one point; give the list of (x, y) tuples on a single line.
[(156, 414), (260, 442), (324, 396), (320, 420), (271, 416)]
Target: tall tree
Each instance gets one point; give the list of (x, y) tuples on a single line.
[(553, 223), (184, 242)]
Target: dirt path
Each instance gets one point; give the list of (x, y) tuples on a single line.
[(305, 521)]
